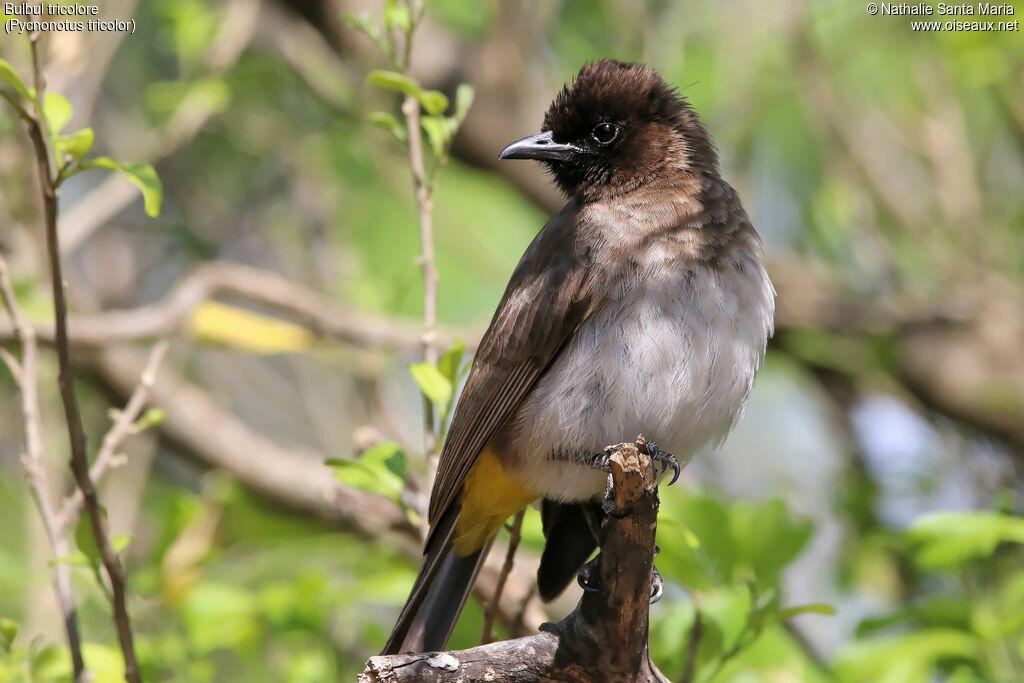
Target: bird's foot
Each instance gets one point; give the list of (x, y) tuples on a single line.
[(600, 461), (587, 576), (666, 460), (657, 585)]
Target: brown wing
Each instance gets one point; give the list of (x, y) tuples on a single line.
[(547, 298)]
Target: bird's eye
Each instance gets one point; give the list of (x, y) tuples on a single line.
[(604, 133)]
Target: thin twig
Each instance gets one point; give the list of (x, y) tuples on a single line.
[(76, 433), (515, 533), (122, 428), (691, 647), (424, 207), (35, 472)]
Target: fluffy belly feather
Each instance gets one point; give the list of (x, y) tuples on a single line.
[(673, 359)]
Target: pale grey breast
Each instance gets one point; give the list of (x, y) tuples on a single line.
[(671, 352)]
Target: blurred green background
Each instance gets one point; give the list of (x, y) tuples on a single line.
[(875, 480)]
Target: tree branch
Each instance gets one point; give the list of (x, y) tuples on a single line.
[(122, 428), (79, 460), (604, 638), (35, 471), (172, 314)]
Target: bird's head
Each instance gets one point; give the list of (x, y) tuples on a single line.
[(615, 128)]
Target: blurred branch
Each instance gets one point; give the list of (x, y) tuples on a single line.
[(123, 427), (604, 638), (24, 374), (172, 314), (48, 180), (506, 569), (290, 476)]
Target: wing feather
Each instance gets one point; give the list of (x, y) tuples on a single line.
[(547, 298)]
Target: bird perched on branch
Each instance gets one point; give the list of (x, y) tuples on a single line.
[(642, 306)]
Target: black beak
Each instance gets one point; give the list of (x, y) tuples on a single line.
[(540, 147)]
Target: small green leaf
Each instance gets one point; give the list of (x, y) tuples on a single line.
[(380, 469), (153, 417), (451, 360), (76, 145), (392, 80), (8, 632), (432, 383), (436, 128), (141, 175), (464, 95), (390, 123), (398, 17), (9, 76), (77, 559), (362, 22), (434, 102), (57, 111), (815, 608), (120, 542), (387, 454), (86, 540)]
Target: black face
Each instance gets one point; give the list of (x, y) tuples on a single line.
[(611, 128)]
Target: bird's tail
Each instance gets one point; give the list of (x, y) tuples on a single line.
[(440, 591)]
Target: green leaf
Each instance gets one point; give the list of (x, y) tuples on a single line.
[(57, 111), (8, 632), (380, 469), (86, 540), (814, 608), (437, 129), (947, 540), (153, 417), (398, 17), (464, 95), (451, 360), (904, 657), (76, 145), (432, 383), (392, 80), (390, 123), (362, 22), (9, 76), (141, 175), (434, 102)]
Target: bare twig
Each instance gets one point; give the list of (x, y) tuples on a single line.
[(424, 209), (515, 533), (25, 377), (76, 434), (121, 429), (691, 647)]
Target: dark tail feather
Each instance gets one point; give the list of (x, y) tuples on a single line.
[(568, 542), (441, 589)]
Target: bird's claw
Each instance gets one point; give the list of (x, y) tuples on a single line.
[(585, 574), (667, 460), (600, 461), (657, 585)]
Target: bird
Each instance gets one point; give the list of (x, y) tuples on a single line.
[(643, 306)]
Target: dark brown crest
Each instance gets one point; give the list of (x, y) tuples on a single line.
[(633, 96)]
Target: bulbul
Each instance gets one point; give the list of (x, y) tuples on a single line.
[(643, 306)]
